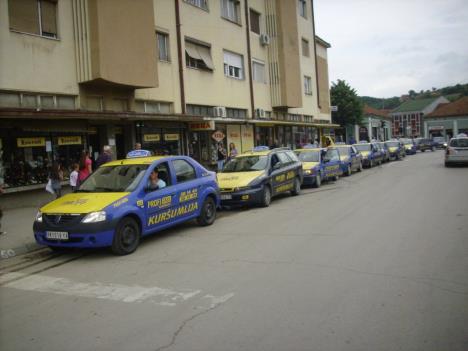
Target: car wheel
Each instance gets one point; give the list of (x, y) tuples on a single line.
[(207, 213), (297, 187), (126, 237), (266, 196), (318, 181), (447, 164)]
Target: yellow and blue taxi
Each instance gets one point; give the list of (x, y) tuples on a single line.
[(351, 159), (319, 164), (126, 199), (396, 149), (410, 147), (254, 177), (371, 154)]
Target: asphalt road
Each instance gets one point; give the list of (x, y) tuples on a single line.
[(375, 261)]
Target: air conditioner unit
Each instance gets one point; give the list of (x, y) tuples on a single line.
[(219, 111), (260, 113), (264, 39)]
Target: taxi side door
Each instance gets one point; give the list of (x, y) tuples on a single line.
[(277, 174), (158, 203), (355, 159), (331, 164)]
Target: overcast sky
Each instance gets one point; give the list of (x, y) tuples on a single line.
[(384, 48)]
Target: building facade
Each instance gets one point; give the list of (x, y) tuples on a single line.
[(376, 125), (447, 120), (178, 76)]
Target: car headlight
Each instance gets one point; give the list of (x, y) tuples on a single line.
[(308, 171), (94, 217), (39, 217)]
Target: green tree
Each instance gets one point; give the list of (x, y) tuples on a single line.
[(350, 107)]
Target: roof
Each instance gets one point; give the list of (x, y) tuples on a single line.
[(135, 161), (322, 42), (305, 150), (414, 105), (254, 153), (456, 108), (374, 112)]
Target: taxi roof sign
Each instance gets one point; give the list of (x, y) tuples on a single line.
[(310, 146), (260, 148), (139, 153)]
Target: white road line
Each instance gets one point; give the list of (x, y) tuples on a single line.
[(113, 292)]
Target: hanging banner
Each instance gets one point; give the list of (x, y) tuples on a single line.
[(69, 140), (151, 137), (201, 126), (30, 142), (171, 137)]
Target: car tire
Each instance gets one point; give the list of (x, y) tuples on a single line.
[(266, 196), (207, 213), (297, 187), (126, 237), (348, 171), (447, 164), (318, 181)]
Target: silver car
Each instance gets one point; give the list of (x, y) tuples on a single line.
[(457, 151)]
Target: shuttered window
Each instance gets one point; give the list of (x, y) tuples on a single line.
[(258, 70), (305, 47), (33, 16), (198, 56), (254, 21)]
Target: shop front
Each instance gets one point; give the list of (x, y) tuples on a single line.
[(291, 135), (161, 138)]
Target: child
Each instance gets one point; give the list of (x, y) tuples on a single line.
[(74, 176)]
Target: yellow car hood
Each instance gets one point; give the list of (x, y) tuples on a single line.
[(365, 153), (82, 202), (344, 158), (392, 149), (309, 165), (408, 146), (237, 179)]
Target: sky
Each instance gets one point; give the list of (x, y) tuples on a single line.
[(385, 48)]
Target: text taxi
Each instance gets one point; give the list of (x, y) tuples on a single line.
[(319, 164), (126, 199), (254, 177)]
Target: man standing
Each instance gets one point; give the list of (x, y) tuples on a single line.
[(137, 146), (105, 156)]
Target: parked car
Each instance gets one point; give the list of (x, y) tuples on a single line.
[(439, 142), (424, 144), (371, 155), (351, 159), (254, 177), (396, 149), (319, 164), (384, 150), (126, 199), (457, 151), (410, 147)]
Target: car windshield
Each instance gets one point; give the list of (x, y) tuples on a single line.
[(344, 150), (392, 143), (459, 142), (246, 164), (331, 155), (363, 147), (309, 156), (406, 141), (121, 178), (439, 139)]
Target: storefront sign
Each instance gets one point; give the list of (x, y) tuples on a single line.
[(436, 128), (201, 126), (218, 136), (30, 142), (69, 140), (171, 137), (151, 137)]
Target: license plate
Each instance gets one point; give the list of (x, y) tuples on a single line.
[(226, 197), (57, 235)]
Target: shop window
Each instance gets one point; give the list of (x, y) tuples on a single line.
[(29, 101), (184, 171), (258, 71), (230, 10), (198, 56), (66, 102), (10, 99), (233, 65), (302, 4), (163, 46), (203, 4), (46, 101), (307, 85), (254, 21), (305, 48), (33, 16)]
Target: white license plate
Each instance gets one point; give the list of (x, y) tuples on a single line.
[(57, 235), (226, 197)]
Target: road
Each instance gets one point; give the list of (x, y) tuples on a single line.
[(375, 261)]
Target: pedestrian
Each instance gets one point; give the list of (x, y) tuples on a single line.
[(56, 177), (232, 151), (85, 166), (221, 156), (137, 146), (105, 156), (74, 176)]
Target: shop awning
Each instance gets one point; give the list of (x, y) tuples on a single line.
[(290, 123)]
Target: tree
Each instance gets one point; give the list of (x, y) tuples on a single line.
[(350, 107)]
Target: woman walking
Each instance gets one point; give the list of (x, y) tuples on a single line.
[(85, 166), (56, 177)]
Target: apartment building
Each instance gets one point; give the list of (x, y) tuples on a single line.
[(178, 76)]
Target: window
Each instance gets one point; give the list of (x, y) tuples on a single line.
[(198, 56), (302, 8), (236, 113), (305, 48), (29, 101), (163, 46), (164, 173), (200, 110), (258, 72), (34, 16), (47, 101), (307, 85), (184, 171), (203, 4), (230, 9), (254, 21), (233, 66), (10, 99), (66, 102), (284, 159)]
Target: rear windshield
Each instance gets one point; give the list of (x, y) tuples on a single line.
[(459, 142)]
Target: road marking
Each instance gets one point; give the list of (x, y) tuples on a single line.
[(113, 292)]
